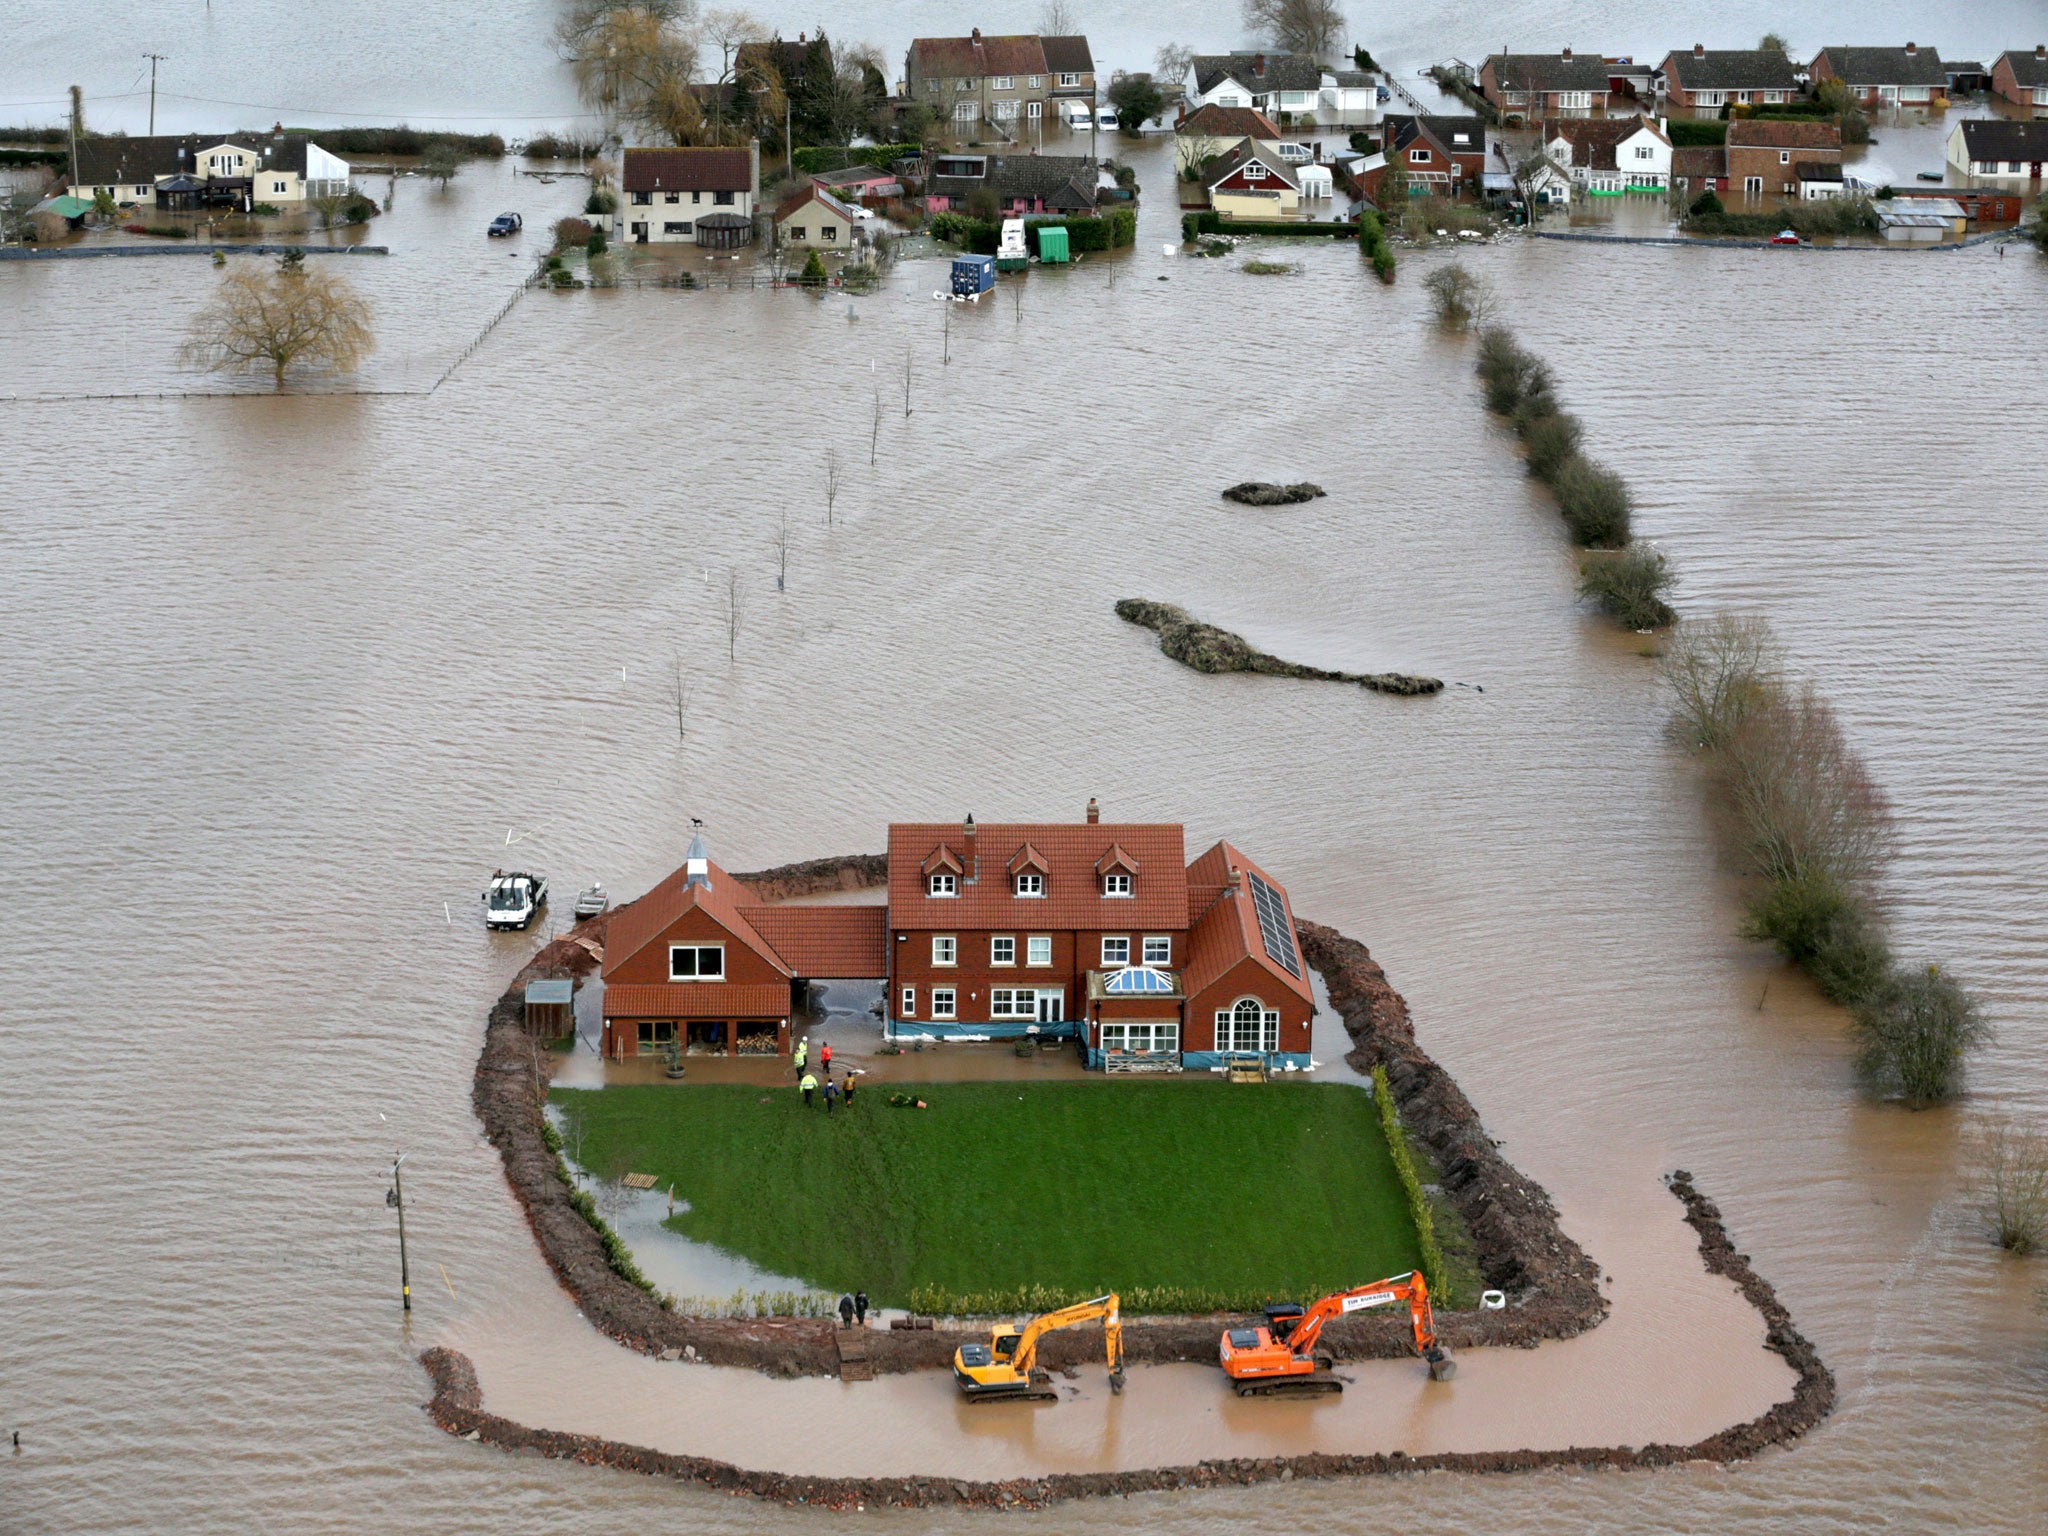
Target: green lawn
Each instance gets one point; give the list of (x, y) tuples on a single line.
[(1228, 1195)]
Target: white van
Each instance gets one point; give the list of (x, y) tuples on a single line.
[(1076, 115), (1105, 118)]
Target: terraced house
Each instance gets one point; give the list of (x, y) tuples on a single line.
[(1008, 83), (1800, 159), (1728, 77), (1911, 76), (1544, 84)]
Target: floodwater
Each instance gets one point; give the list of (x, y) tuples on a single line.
[(285, 675)]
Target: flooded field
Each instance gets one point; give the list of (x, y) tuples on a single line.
[(286, 674)]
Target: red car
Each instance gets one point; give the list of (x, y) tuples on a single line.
[(1785, 237)]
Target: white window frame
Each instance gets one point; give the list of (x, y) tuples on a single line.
[(1013, 1003), (1161, 1037), (1030, 885), (1752, 186), (1034, 110), (1157, 949), (1002, 949), (963, 111), (1116, 885), (1235, 1024), (697, 960), (945, 949), (1784, 157), (1069, 77), (1034, 82), (940, 886), (943, 999), (1254, 171), (1120, 947), (909, 1009), (1004, 82), (1035, 945), (1418, 157)]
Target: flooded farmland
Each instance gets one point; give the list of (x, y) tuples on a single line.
[(286, 674)]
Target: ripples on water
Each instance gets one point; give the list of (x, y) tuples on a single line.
[(284, 672)]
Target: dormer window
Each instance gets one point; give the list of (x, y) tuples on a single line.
[(1116, 885), (1031, 885), (944, 885)]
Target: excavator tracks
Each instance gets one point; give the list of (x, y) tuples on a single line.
[(1321, 1384)]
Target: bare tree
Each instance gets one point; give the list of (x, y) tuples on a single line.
[(782, 550), (724, 33), (1720, 670), (2012, 1163), (832, 478), (1809, 807), (277, 318), (1462, 299), (1170, 67), (1056, 18), (679, 693), (636, 61), (441, 160), (875, 429), (906, 383), (733, 615), (1295, 26)]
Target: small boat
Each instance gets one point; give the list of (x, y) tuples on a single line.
[(1927, 175), (590, 901)]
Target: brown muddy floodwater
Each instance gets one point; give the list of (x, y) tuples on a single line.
[(284, 675)]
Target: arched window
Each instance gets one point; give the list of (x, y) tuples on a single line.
[(1247, 1025)]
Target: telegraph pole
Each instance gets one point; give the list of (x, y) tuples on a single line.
[(397, 1197), (154, 59)]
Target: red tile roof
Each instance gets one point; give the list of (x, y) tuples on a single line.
[(1212, 121), (1228, 931), (640, 923), (827, 941), (687, 170), (696, 1000), (1073, 892), (1773, 133), (972, 57)]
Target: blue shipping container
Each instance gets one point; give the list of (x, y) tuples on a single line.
[(973, 275)]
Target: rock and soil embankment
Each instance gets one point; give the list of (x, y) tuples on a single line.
[(1262, 493), (1206, 648)]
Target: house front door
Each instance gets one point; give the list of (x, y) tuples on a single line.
[(640, 234), (1052, 1005)]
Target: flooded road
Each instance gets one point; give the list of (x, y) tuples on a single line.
[(285, 674)]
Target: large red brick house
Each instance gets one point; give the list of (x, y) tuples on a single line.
[(1440, 154), (1096, 931), (1101, 930), (1767, 156)]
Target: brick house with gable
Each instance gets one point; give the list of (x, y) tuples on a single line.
[(1544, 84), (1440, 154), (1728, 77), (1767, 156), (700, 195), (1611, 154), (1911, 76), (2021, 76), (1009, 82), (1251, 181)]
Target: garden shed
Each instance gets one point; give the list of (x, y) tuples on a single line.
[(551, 1009)]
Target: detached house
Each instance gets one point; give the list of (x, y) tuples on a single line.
[(1606, 155), (1444, 155), (1210, 131), (1101, 930), (1281, 85), (1911, 76), (176, 171), (1250, 181), (700, 196), (1728, 77), (2021, 76), (1009, 82), (1994, 149), (1784, 158), (814, 218), (1544, 84)]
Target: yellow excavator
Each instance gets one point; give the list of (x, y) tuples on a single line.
[(1006, 1367)]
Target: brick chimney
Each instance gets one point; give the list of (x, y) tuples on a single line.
[(1699, 50), (973, 859), (1259, 64), (1912, 50), (977, 34), (1566, 55), (1094, 811), (2041, 50)]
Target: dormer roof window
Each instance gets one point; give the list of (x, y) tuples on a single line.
[(942, 884), (1116, 885), (1028, 884), (942, 858)]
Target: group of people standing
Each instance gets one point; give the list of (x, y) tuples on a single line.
[(835, 1091)]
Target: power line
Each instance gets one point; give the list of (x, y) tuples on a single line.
[(432, 117)]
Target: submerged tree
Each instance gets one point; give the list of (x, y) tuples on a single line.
[(1916, 1031), (637, 63), (1295, 26), (278, 318)]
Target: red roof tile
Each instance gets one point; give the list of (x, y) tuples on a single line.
[(1228, 931), (827, 941), (1214, 122), (1772, 133), (1073, 893), (696, 1000), (687, 170), (972, 57), (639, 923)]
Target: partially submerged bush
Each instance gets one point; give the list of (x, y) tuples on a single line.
[(1805, 800), (1268, 268), (1595, 503), (1817, 923), (2012, 1164), (1915, 1032), (1630, 585), (1462, 300), (1508, 373), (814, 270), (1549, 436), (1719, 671)]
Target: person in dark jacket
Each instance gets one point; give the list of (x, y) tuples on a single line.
[(846, 1311), (860, 1308), (831, 1093)]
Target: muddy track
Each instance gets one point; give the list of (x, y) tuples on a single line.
[(1552, 1286)]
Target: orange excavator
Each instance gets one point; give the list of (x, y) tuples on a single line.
[(1280, 1359)]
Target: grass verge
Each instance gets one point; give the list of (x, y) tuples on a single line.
[(1188, 1195)]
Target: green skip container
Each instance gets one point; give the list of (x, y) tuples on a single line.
[(1052, 244)]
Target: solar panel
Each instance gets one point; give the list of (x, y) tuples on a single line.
[(1274, 927)]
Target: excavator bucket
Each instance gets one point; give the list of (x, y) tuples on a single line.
[(1441, 1366)]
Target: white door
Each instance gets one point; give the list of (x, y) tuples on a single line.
[(1052, 1005)]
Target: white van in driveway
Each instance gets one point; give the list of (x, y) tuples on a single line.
[(1105, 118)]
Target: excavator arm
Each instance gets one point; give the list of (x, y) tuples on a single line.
[(1007, 1366), (1411, 1288), (1103, 1307)]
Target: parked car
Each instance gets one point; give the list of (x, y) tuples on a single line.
[(1785, 237), (506, 224)]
